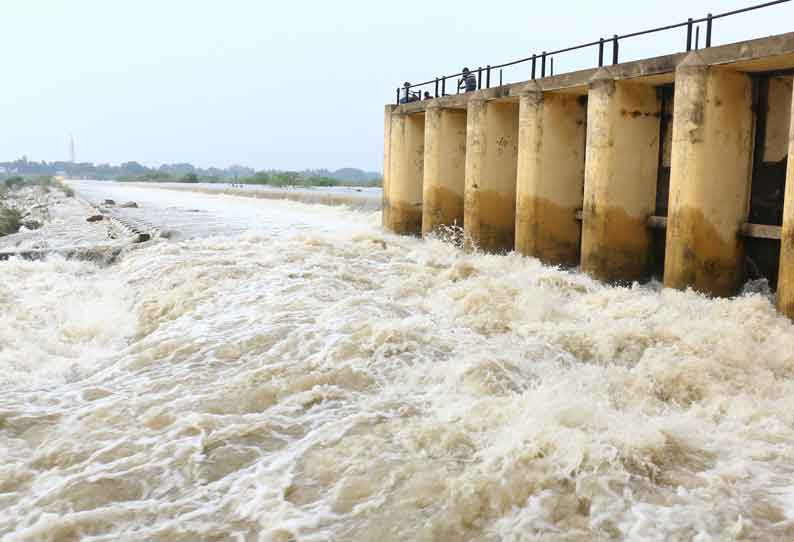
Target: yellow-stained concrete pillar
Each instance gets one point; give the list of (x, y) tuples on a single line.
[(710, 176), (550, 175), (621, 170), (386, 176), (403, 198), (491, 156), (785, 279), (445, 167)]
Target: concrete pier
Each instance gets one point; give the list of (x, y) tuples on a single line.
[(785, 280), (550, 175), (445, 168), (709, 178), (491, 155), (621, 170), (403, 194)]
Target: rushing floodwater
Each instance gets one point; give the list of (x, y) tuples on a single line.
[(315, 378)]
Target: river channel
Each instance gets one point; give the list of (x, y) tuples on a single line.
[(284, 371)]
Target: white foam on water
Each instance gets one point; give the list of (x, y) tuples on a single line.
[(350, 384), (59, 318)]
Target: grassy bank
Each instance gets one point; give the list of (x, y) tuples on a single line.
[(12, 199), (45, 182), (15, 183)]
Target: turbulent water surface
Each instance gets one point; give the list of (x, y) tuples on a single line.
[(306, 376)]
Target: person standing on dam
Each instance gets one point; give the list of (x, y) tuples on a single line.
[(468, 82)]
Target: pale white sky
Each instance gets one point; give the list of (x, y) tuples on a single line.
[(288, 84)]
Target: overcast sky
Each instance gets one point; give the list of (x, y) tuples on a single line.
[(286, 84)]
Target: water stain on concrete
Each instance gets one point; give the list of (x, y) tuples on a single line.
[(547, 231), (441, 207), (698, 256), (490, 220), (616, 252)]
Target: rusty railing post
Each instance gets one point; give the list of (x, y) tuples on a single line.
[(615, 49), (708, 30), (600, 52)]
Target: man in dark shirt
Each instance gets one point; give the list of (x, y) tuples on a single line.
[(409, 96), (427, 96), (468, 81), (406, 92)]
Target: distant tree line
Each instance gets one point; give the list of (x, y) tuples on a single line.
[(184, 172)]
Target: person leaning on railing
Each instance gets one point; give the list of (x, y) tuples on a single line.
[(468, 82)]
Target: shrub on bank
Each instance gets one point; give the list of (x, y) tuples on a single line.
[(67, 190), (153, 177), (10, 220)]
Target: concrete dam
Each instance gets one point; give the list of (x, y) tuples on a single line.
[(673, 167)]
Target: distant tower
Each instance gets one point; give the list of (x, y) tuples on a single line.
[(71, 148)]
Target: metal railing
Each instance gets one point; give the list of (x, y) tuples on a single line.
[(539, 62)]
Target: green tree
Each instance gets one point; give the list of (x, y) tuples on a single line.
[(12, 182)]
